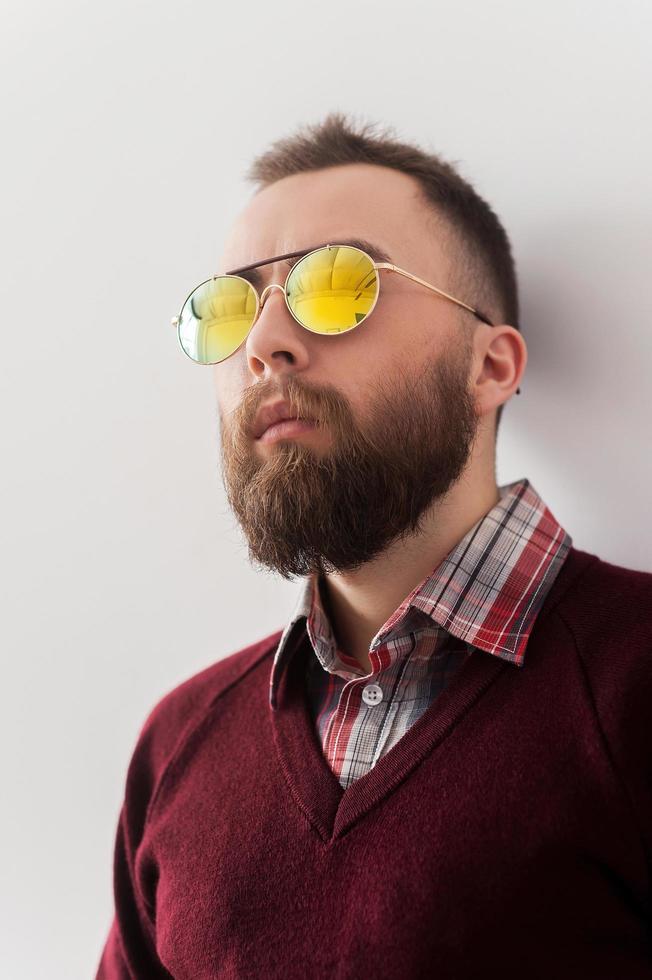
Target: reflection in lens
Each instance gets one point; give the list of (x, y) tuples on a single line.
[(216, 318), (333, 289)]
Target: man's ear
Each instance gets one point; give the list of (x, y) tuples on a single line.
[(501, 353)]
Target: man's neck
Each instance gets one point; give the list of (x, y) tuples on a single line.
[(359, 603)]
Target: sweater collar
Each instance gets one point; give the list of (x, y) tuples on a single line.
[(487, 592)]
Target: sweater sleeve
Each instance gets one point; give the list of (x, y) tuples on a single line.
[(129, 952)]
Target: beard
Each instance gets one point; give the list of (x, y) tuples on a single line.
[(305, 510)]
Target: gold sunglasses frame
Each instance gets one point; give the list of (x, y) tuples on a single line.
[(304, 254)]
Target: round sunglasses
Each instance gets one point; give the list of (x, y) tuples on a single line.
[(329, 290)]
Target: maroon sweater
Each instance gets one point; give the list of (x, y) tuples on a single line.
[(509, 830)]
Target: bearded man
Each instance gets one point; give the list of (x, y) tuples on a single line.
[(441, 765)]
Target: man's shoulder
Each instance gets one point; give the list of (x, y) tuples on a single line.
[(200, 689), (181, 709), (592, 590), (606, 610), (615, 578)]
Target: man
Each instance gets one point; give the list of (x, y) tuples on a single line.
[(441, 766)]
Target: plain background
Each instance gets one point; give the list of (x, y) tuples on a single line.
[(126, 130)]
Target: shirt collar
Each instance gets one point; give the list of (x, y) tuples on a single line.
[(487, 591)]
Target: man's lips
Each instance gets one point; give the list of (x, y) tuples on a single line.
[(286, 429), (268, 415)]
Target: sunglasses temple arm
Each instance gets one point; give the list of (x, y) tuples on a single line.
[(440, 292)]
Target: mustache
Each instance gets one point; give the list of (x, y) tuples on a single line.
[(323, 404)]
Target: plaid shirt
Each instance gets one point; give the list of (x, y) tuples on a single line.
[(485, 595)]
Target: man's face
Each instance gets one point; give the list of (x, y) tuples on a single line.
[(395, 419)]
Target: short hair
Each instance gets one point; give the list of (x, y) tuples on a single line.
[(483, 269)]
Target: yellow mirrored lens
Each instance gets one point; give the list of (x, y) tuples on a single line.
[(216, 318), (333, 289)]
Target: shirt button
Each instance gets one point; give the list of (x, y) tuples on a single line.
[(372, 694)]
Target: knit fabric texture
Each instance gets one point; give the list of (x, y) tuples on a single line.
[(508, 831)]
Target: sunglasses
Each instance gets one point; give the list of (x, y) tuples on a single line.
[(329, 290)]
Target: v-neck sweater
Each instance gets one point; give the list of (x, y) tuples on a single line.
[(509, 830)]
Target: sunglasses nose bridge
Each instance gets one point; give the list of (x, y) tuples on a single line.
[(263, 295)]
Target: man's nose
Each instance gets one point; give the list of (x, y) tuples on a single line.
[(274, 338)]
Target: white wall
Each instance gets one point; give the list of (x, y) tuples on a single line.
[(126, 128)]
